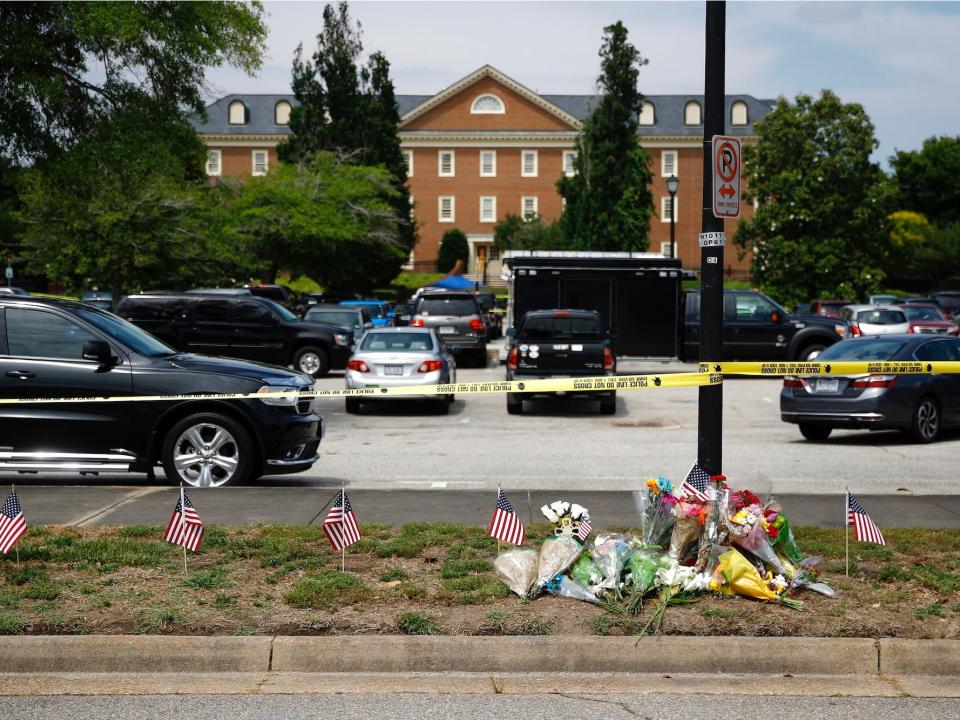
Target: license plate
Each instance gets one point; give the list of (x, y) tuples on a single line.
[(447, 330), (393, 370), (827, 385)]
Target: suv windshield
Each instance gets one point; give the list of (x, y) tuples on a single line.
[(870, 349), (923, 313), (447, 306), (127, 333), (278, 309), (881, 317), (333, 317), (572, 328)]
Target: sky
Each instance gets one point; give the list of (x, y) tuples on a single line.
[(899, 60)]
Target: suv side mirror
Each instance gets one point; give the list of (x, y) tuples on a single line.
[(98, 350)]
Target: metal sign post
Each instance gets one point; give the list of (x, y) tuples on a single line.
[(710, 416)]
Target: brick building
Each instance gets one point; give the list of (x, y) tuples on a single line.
[(487, 146)]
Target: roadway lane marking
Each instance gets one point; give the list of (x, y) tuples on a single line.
[(107, 509)]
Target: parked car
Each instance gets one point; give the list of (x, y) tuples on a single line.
[(456, 318), (395, 357), (98, 298), (240, 326), (881, 299), (828, 308), (356, 320), (402, 314), (757, 328), (278, 293), (927, 318), (381, 311), (949, 302), (11, 290), (560, 343), (920, 404), (488, 304), (208, 291), (873, 320), (56, 349)]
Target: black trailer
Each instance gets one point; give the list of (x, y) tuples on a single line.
[(638, 295)]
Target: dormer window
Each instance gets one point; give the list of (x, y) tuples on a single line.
[(738, 113), (487, 105), (648, 114), (281, 113), (237, 114), (691, 113)]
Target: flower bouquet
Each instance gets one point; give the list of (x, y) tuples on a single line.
[(658, 519), (556, 555), (565, 587), (714, 527), (610, 552), (749, 530), (742, 578), (586, 574), (690, 517), (518, 568), (568, 519)]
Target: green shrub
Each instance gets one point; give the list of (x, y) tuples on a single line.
[(41, 590), (10, 623), (393, 572), (207, 579), (327, 590), (417, 623)]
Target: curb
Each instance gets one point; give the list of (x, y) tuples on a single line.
[(399, 654)]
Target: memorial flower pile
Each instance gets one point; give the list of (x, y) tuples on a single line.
[(722, 542)]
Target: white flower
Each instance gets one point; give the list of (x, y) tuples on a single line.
[(578, 512), (674, 575), (549, 514), (698, 583), (779, 584), (557, 507)]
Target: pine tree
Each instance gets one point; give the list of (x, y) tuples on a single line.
[(608, 199)]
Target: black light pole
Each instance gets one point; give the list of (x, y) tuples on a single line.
[(710, 415), (672, 186)]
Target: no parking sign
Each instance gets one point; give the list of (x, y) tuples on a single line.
[(726, 177)]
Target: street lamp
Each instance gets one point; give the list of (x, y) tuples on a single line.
[(673, 184)]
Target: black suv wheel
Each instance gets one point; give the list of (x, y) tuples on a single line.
[(311, 361), (207, 450)]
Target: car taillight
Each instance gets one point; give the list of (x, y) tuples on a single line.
[(358, 365), (476, 324), (915, 329), (855, 329), (428, 366), (874, 381), (792, 382), (512, 358), (607, 359), (417, 322), (561, 313)]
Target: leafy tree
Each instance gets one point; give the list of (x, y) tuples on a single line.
[(453, 247), (347, 108), (331, 220), (122, 209), (67, 67), (517, 233), (928, 180), (820, 228), (609, 204)]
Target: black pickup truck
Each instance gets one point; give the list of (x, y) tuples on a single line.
[(560, 343), (757, 328)]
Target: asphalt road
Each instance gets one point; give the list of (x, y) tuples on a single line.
[(474, 707)]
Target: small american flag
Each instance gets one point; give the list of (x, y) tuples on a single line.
[(12, 523), (866, 529), (505, 524), (584, 530), (340, 524), (185, 527), (695, 485)]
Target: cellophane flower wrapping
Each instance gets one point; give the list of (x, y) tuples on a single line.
[(714, 527), (586, 574), (659, 518), (610, 552), (805, 575), (556, 555), (747, 530), (690, 516), (642, 566), (566, 587), (742, 578), (518, 568)]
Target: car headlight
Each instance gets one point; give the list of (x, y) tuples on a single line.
[(284, 401), (340, 339)]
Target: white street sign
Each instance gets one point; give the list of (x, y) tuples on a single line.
[(726, 177), (8, 273), (712, 239)]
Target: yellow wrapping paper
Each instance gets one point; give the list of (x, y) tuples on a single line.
[(743, 578)]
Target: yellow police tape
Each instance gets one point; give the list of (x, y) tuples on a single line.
[(572, 385), (708, 374)]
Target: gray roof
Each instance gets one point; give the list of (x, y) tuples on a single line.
[(668, 113)]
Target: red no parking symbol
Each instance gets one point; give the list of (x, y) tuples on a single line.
[(726, 177)]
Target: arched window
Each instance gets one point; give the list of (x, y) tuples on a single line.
[(738, 113), (691, 113), (281, 113), (237, 115), (487, 105), (648, 114)]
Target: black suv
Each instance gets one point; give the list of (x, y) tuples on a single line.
[(51, 349), (757, 328), (240, 326), (457, 320)]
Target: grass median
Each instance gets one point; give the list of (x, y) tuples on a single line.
[(429, 578)]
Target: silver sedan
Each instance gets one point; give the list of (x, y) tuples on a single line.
[(397, 357)]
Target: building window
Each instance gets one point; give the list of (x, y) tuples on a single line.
[(648, 114), (260, 162), (408, 161), (569, 162), (738, 113), (529, 206), (487, 105), (446, 164), (691, 113), (668, 163), (447, 212), (665, 209), (281, 113), (488, 208), (529, 163), (488, 163), (237, 114), (214, 166), (665, 249)]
